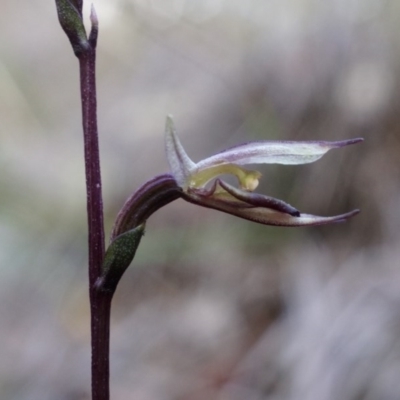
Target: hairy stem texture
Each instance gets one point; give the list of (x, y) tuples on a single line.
[(100, 302)]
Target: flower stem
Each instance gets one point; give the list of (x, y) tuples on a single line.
[(100, 302), (154, 194)]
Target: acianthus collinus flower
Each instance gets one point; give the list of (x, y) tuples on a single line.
[(201, 183)]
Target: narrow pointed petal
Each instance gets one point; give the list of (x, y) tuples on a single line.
[(274, 152), (260, 200), (263, 215), (180, 163)]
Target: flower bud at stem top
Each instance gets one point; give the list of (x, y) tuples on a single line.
[(78, 4), (71, 21)]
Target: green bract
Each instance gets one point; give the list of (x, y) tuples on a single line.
[(69, 15)]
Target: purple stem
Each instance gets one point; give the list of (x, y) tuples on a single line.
[(100, 302), (151, 196)]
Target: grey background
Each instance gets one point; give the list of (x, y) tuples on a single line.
[(213, 307)]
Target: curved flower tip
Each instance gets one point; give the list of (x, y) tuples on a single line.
[(242, 201), (347, 142), (312, 220)]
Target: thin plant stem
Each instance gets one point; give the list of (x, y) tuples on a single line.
[(100, 302)]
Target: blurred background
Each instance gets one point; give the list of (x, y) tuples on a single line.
[(213, 307)]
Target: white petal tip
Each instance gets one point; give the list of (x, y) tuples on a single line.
[(312, 220), (180, 163), (93, 16)]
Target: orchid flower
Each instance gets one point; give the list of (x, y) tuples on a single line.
[(201, 183)]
